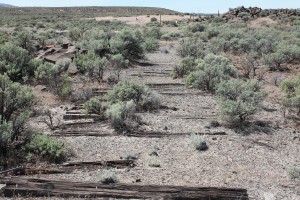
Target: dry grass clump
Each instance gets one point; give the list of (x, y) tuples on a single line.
[(199, 142)]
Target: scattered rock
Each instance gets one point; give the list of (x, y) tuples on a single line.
[(138, 180)]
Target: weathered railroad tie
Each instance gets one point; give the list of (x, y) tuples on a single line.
[(58, 188)]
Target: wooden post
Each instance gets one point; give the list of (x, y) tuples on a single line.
[(218, 13), (160, 19)]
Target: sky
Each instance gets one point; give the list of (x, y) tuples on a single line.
[(195, 6)]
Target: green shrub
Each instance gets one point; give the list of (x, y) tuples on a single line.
[(170, 23), (3, 38), (198, 27), (154, 162), (187, 65), (199, 142), (249, 65), (107, 177), (46, 148), (15, 103), (274, 60), (211, 71), (142, 96), (24, 40), (212, 32), (295, 175), (153, 32), (128, 43), (14, 98), (217, 20), (84, 61), (166, 37), (130, 155), (217, 45), (91, 65), (151, 45), (64, 63), (97, 69), (94, 106), (291, 88), (96, 41), (170, 36), (193, 47), (53, 77), (76, 34), (14, 62), (245, 16), (153, 19), (214, 123), (238, 99), (121, 115), (118, 63)]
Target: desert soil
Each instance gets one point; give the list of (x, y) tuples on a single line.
[(144, 19)]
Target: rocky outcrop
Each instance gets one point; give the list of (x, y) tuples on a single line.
[(258, 12), (52, 53)]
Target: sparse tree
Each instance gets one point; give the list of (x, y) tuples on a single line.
[(118, 63), (249, 65)]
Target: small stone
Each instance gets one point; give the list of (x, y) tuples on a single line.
[(154, 153), (138, 180)]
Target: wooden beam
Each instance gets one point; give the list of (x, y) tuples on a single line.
[(66, 189)]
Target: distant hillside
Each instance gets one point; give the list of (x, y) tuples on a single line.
[(5, 5), (85, 11)]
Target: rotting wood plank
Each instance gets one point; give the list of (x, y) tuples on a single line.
[(35, 170), (164, 84), (132, 134), (77, 123), (179, 93), (111, 163), (21, 186), (82, 133), (263, 144), (79, 116), (69, 167), (164, 134), (12, 170)]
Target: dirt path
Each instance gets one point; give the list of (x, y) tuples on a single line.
[(258, 161)]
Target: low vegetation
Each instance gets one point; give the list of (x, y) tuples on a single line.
[(94, 106), (238, 99), (142, 96), (295, 175), (292, 96), (43, 147), (122, 115), (107, 177), (73, 59), (199, 142), (211, 71)]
